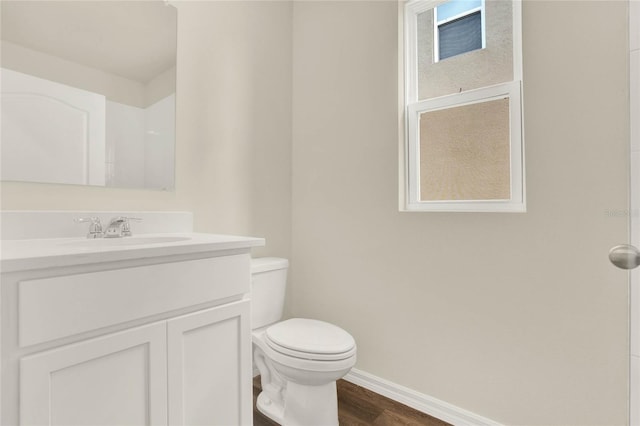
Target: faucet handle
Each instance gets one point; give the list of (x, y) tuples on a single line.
[(120, 226), (126, 226), (95, 226)]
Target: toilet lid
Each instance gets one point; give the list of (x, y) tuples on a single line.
[(310, 339)]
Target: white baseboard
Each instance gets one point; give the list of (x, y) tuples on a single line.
[(421, 402)]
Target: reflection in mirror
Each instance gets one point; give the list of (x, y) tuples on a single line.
[(88, 92)]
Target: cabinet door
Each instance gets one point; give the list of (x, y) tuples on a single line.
[(210, 367), (118, 379)]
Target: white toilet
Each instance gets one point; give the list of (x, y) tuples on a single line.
[(299, 359)]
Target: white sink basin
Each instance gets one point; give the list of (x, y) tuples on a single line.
[(126, 241), (25, 254)]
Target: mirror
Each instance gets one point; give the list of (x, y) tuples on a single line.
[(88, 93)]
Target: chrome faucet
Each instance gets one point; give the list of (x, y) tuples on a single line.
[(119, 227), (95, 227)]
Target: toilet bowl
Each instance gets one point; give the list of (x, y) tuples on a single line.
[(299, 359)]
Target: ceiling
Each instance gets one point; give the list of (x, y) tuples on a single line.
[(131, 39)]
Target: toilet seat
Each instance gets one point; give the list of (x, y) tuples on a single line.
[(310, 339), (260, 339)]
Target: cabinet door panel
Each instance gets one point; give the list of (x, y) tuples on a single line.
[(210, 367), (119, 379)]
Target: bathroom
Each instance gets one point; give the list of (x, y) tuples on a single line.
[(288, 128)]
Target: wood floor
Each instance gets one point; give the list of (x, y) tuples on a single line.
[(360, 406)]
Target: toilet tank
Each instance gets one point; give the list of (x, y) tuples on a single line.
[(268, 284)]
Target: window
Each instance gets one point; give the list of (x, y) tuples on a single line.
[(463, 146), (459, 28)]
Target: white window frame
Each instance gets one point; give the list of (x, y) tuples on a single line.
[(410, 198), (436, 25)]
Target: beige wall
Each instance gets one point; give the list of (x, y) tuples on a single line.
[(160, 87), (113, 87), (53, 68), (517, 317), (234, 117), (233, 129)]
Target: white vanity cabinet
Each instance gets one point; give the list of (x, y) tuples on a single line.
[(118, 379), (154, 340), (122, 378), (209, 352)]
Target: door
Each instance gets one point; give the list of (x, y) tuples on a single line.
[(628, 257), (209, 362), (51, 132), (118, 379), (634, 75), (632, 258)]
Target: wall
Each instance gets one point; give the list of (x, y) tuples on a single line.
[(517, 317), (115, 88), (233, 129), (159, 143), (124, 139), (140, 145), (234, 117), (160, 87)]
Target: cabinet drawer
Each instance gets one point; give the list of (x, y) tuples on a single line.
[(57, 307)]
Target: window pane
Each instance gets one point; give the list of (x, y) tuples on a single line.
[(460, 36), (456, 7), (479, 68), (464, 152)]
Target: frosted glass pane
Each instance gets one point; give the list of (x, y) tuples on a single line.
[(464, 152), (471, 70)]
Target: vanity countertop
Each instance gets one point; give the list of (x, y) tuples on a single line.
[(25, 254)]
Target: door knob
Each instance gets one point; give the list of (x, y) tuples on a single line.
[(625, 256)]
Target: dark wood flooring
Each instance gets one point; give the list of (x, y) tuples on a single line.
[(360, 406)]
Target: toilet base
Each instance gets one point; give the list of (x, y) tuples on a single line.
[(303, 405), (271, 409)]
